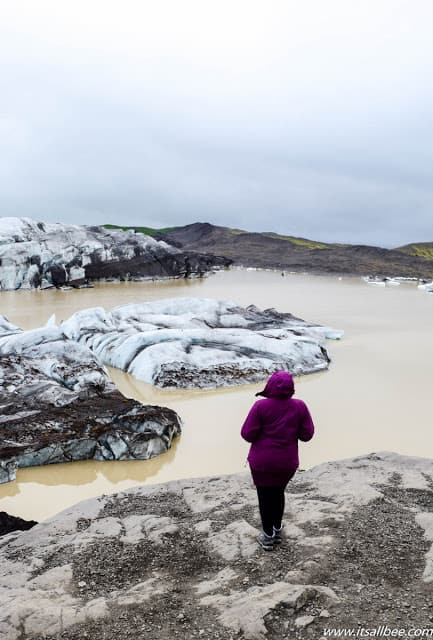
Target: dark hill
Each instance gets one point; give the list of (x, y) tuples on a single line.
[(297, 254), (272, 250)]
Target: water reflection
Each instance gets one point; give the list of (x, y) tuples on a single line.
[(87, 471), (8, 490), (40, 492)]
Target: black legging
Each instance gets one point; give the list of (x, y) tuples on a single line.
[(271, 506)]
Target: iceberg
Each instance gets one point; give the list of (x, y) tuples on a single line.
[(57, 404), (199, 342), (426, 286)]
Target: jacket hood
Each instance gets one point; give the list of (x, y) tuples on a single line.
[(279, 384)]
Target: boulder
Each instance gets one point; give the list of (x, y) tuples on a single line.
[(10, 523)]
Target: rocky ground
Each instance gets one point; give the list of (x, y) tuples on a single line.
[(57, 404), (181, 560)]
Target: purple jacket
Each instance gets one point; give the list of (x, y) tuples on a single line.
[(273, 426)]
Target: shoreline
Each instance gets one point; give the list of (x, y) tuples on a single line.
[(215, 271)]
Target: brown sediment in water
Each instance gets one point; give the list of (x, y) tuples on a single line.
[(374, 397)]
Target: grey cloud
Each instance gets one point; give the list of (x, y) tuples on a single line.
[(339, 151)]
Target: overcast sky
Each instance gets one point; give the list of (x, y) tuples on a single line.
[(308, 117)]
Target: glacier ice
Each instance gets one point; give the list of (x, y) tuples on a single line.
[(36, 254), (199, 342), (58, 404)]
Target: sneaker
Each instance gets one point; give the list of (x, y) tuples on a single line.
[(278, 535), (265, 541)]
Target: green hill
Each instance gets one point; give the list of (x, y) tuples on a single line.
[(419, 249), (148, 231)]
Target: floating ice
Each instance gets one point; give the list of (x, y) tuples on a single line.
[(199, 342), (58, 404), (427, 286)]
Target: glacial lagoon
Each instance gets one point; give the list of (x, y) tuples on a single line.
[(374, 397)]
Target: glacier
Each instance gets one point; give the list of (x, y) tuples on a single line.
[(36, 254)]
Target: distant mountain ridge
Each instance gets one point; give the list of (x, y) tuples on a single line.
[(272, 250)]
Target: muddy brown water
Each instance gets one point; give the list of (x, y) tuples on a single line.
[(374, 397)]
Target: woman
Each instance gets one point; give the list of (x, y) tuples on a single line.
[(274, 426)]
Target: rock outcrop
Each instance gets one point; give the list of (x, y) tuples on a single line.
[(193, 342), (57, 404), (36, 254), (10, 523), (181, 559)]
